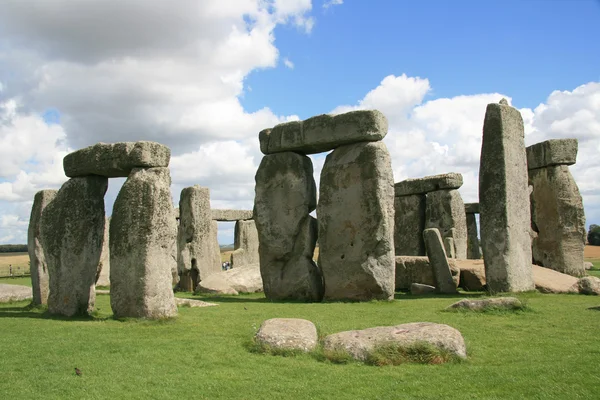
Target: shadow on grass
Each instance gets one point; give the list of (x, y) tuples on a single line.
[(41, 312), (461, 295)]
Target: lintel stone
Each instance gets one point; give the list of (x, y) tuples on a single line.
[(552, 152), (230, 215), (428, 184), (472, 208)]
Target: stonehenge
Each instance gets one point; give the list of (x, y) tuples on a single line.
[(473, 250), (439, 261)]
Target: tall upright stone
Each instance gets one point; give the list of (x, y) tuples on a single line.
[(439, 261), (409, 223), (103, 272), (473, 251), (72, 236), (142, 237), (285, 195), (245, 244), (356, 223), (445, 211), (37, 260), (504, 201)]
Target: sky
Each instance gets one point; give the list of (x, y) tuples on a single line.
[(204, 77)]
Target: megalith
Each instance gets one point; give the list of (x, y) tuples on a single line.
[(439, 261), (409, 223), (557, 214), (103, 271), (143, 234), (285, 194), (445, 211), (196, 238), (37, 260), (72, 235), (504, 201), (356, 223), (473, 250), (245, 244)]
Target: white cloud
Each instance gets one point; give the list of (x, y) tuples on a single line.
[(330, 3), (288, 63)]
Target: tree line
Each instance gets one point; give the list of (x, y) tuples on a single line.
[(13, 248), (593, 236)]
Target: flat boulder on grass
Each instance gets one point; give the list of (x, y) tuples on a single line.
[(589, 285), (244, 279), (497, 303), (418, 288), (287, 334), (193, 303), (362, 343), (472, 275), (549, 281)]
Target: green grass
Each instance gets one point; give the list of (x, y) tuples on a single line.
[(548, 352), (19, 280)]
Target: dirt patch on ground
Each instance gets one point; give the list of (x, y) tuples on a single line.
[(591, 252)]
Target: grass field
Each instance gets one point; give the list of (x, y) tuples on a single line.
[(19, 262)]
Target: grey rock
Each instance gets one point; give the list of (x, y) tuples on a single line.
[(558, 218), (193, 303), (445, 211), (177, 213), (72, 230), (417, 269), (503, 101), (11, 293), (285, 195), (449, 247), (472, 275), (587, 265), (37, 260), (472, 208), (356, 223), (473, 250), (360, 343), (103, 271), (409, 223), (589, 285), (116, 159), (143, 233), (439, 261), (418, 289), (324, 132), (231, 215), (550, 281), (245, 279), (428, 184), (499, 303), (552, 152), (504, 202), (288, 334), (245, 244)]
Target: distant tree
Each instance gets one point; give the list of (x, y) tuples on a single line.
[(594, 235), (13, 248)]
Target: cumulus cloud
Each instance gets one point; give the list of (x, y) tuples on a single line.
[(330, 3), (288, 63)]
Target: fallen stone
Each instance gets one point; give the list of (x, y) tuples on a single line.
[(245, 244), (409, 223), (285, 196), (288, 334), (37, 260), (116, 159), (472, 208), (472, 275), (359, 344), (428, 184), (412, 269), (589, 285), (445, 211), (499, 303), (550, 281), (439, 261), (324, 132), (473, 250), (193, 303), (143, 233), (103, 271), (72, 230), (356, 223), (504, 201), (245, 279), (11, 293), (587, 265), (552, 152), (230, 215), (418, 288)]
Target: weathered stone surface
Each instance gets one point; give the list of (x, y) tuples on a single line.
[(193, 303), (500, 303), (472, 275), (409, 223), (143, 232), (37, 260), (245, 244), (587, 265), (445, 211), (473, 247), (195, 238), (177, 213), (558, 219), (504, 201), (359, 343), (356, 223), (288, 334), (472, 208), (285, 195), (449, 247), (412, 269), (245, 279), (589, 285), (116, 159), (550, 281), (230, 215), (72, 230), (10, 293), (418, 288), (552, 152), (428, 184), (324, 132), (439, 261), (103, 271)]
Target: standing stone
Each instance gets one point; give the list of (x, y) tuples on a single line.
[(103, 272), (504, 202), (143, 232), (37, 259), (558, 218), (450, 247), (285, 195), (445, 211), (72, 236), (245, 244), (409, 224), (196, 238), (473, 252), (356, 223), (439, 261)]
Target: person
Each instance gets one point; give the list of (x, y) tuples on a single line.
[(224, 266), (10, 269)]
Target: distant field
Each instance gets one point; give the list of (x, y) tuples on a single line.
[(19, 262), (591, 252)]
